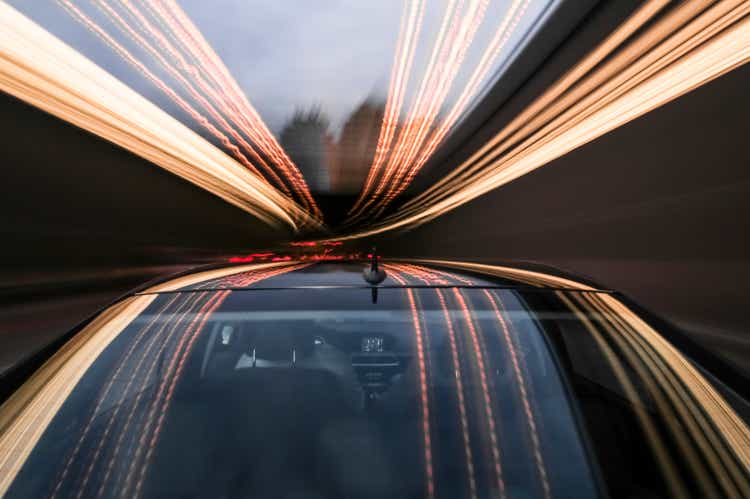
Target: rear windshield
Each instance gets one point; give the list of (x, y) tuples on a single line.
[(428, 393), (335, 393)]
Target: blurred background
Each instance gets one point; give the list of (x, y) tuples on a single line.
[(655, 207)]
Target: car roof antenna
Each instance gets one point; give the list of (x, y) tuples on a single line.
[(373, 274)]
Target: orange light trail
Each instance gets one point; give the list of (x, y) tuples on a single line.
[(169, 13), (488, 410), (452, 54), (689, 46), (181, 313), (521, 382), (501, 37), (186, 343), (555, 93), (183, 310), (520, 378), (94, 28), (728, 432), (411, 24), (44, 72), (175, 73), (103, 397), (423, 387), (459, 379), (256, 130), (453, 40), (28, 413), (175, 368)]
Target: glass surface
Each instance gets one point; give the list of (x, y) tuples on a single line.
[(318, 393), (429, 392)]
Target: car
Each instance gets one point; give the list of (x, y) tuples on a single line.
[(447, 379)]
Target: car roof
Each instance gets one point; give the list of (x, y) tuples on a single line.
[(348, 274)]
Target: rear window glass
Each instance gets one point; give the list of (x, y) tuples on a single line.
[(317, 393)]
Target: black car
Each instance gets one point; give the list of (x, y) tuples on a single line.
[(447, 380)]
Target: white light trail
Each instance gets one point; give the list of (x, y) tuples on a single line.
[(688, 47), (40, 69)]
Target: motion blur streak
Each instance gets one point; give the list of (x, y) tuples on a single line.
[(146, 26), (54, 385), (465, 435), (492, 52), (433, 276), (488, 410), (501, 37), (103, 397), (668, 59), (708, 427), (449, 54), (41, 70), (527, 276), (128, 57), (202, 51), (411, 23), (424, 395), (647, 423), (28, 412), (454, 38), (228, 93), (290, 171), (706, 446), (497, 304), (556, 91)]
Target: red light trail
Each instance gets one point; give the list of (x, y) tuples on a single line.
[(411, 25), (645, 63), (423, 388), (482, 373), (414, 147), (463, 417), (212, 98)]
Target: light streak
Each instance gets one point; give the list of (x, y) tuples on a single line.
[(727, 433), (146, 26), (460, 392), (28, 412), (94, 28), (179, 26), (256, 132), (645, 420), (184, 347), (706, 446), (643, 15), (41, 70), (489, 412), (463, 417), (156, 340), (103, 397), (175, 369), (411, 23), (183, 310), (423, 388), (525, 276), (455, 35), (501, 37), (496, 304), (246, 111), (521, 383), (668, 59)]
